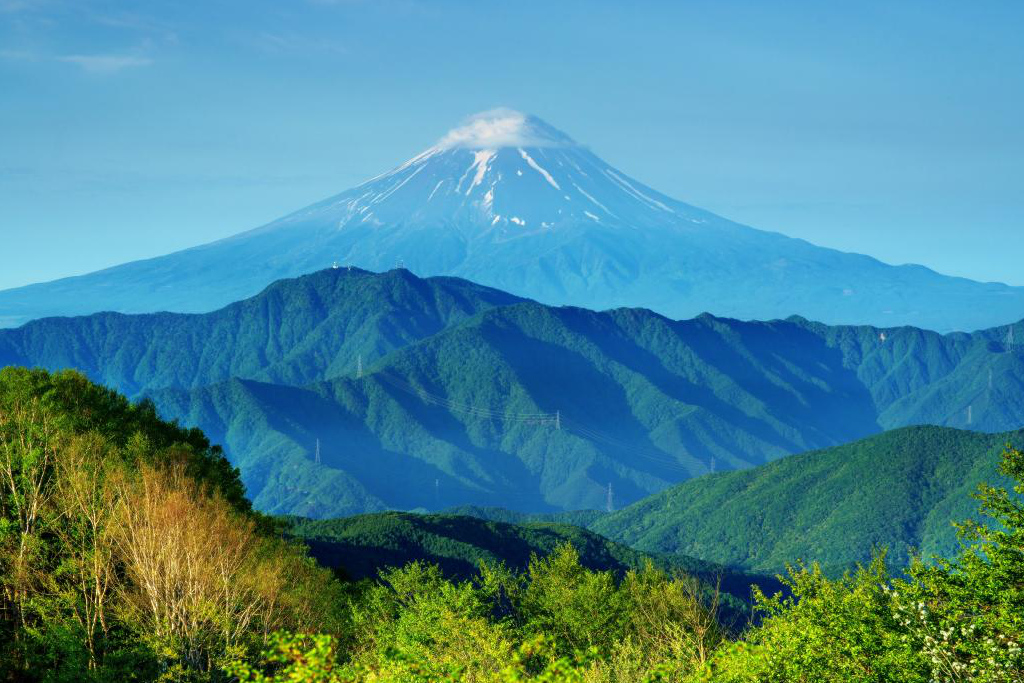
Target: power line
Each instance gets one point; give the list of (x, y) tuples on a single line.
[(444, 402), (555, 419)]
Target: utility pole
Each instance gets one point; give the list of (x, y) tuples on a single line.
[(608, 506)]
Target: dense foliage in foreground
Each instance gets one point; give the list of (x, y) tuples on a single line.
[(128, 552), (127, 548), (947, 621)]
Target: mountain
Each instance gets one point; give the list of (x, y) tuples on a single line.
[(898, 490), (294, 332), (469, 396), (363, 545), (509, 201), (536, 408)]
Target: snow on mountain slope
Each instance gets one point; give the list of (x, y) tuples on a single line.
[(509, 201), (531, 178)]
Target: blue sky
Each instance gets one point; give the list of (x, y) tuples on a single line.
[(130, 130)]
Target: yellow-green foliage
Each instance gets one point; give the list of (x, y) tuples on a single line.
[(127, 550)]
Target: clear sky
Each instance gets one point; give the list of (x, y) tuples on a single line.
[(129, 130)]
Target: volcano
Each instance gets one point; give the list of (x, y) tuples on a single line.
[(509, 201)]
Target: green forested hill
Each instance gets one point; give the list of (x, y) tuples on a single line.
[(111, 521), (897, 490), (364, 545), (583, 518), (473, 397), (294, 332)]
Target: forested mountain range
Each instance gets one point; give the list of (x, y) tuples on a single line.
[(347, 391), (900, 490)]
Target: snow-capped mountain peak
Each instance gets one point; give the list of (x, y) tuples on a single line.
[(509, 201), (503, 174)]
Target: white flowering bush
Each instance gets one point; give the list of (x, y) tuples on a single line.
[(948, 621), (967, 615)]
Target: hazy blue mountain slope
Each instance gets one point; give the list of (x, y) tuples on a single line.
[(294, 332), (897, 490), (541, 409), (469, 415), (535, 213)]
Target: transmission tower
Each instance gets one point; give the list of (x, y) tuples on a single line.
[(970, 414), (316, 458), (608, 504), (359, 367), (558, 419), (712, 464)]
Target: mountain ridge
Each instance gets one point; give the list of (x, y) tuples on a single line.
[(469, 396)]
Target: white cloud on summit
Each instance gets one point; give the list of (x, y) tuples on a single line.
[(503, 127)]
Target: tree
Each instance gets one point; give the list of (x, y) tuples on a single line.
[(967, 614)]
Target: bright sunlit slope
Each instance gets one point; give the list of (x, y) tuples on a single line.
[(898, 490)]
